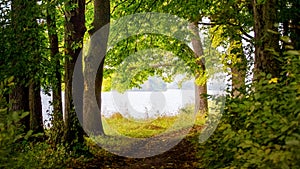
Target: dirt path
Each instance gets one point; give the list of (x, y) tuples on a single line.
[(183, 155)]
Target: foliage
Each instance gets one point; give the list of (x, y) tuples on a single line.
[(9, 131), (260, 129), (132, 61), (17, 150), (40, 155), (10, 134)]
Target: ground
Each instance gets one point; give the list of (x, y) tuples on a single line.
[(183, 155)]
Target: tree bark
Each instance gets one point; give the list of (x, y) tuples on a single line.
[(295, 26), (18, 99), (201, 104), (92, 119), (35, 102), (74, 32), (57, 121), (238, 68), (26, 50), (35, 107), (265, 18)]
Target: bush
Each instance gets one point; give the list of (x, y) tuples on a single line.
[(260, 129), (16, 151), (10, 130), (10, 135)]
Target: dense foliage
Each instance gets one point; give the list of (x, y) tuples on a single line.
[(257, 41), (260, 129)]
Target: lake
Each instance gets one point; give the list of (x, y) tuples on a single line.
[(137, 104), (145, 104)]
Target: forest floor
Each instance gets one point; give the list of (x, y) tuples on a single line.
[(183, 155)]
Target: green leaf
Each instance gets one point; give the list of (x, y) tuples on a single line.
[(10, 79), (3, 110), (285, 39), (292, 52), (28, 134), (273, 32)]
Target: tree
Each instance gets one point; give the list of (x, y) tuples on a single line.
[(18, 98), (266, 37), (231, 23), (238, 67), (74, 32), (92, 120), (190, 11), (25, 49), (57, 121), (37, 37), (201, 104)]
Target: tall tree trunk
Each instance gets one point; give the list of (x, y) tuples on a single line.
[(92, 120), (265, 18), (26, 46), (201, 104), (18, 99), (35, 107), (238, 67), (35, 102), (295, 26), (74, 32), (57, 121)]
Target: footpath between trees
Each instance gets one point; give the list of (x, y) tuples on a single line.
[(183, 155)]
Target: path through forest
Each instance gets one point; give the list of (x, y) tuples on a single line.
[(183, 155)]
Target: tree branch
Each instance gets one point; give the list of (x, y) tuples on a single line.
[(115, 7), (231, 24), (209, 24), (247, 40), (88, 2), (245, 33), (155, 66)]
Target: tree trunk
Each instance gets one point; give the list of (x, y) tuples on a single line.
[(56, 85), (35, 107), (74, 32), (265, 18), (35, 102), (18, 99), (92, 120), (25, 48), (238, 68), (201, 104), (295, 26)]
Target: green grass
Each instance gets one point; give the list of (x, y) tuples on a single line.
[(119, 125)]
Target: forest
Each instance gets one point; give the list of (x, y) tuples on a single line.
[(75, 50)]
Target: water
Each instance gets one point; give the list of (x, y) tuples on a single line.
[(136, 104), (47, 108), (145, 104)]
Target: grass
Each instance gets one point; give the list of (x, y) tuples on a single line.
[(168, 129), (119, 125)]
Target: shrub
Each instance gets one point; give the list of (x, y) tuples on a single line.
[(260, 129), (16, 151)]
